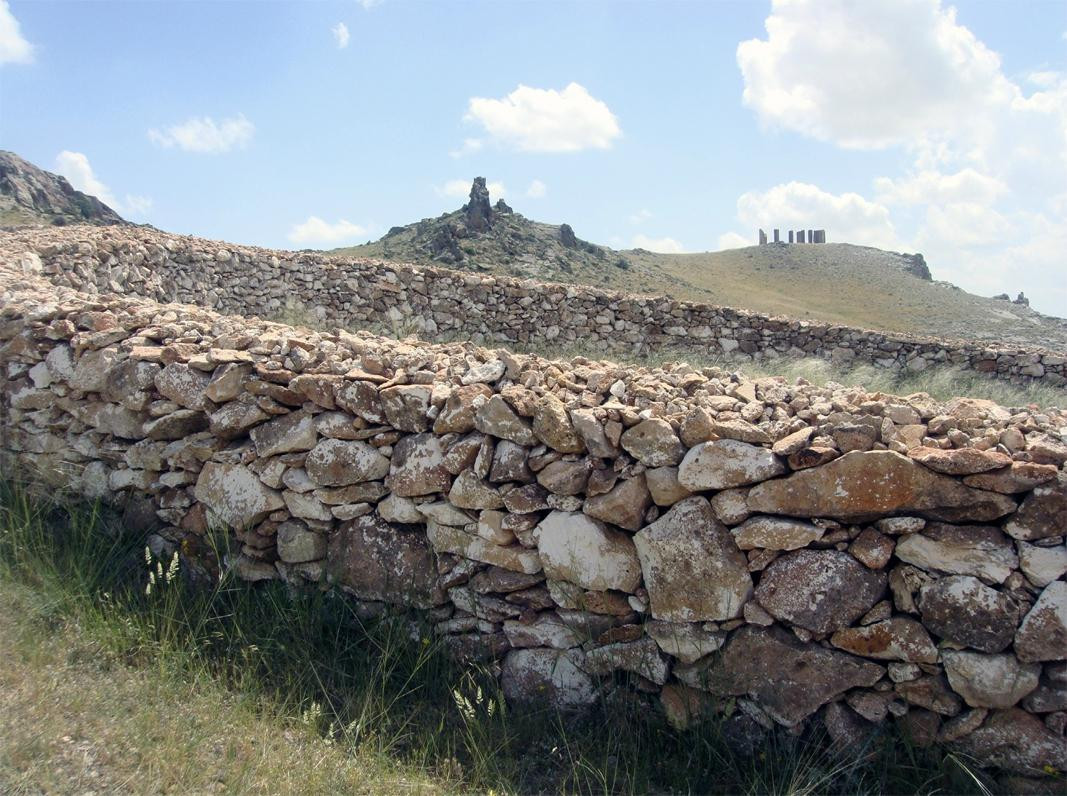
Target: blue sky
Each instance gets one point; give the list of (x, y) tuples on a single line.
[(904, 124)]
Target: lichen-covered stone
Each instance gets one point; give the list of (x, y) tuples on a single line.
[(989, 681), (726, 463), (896, 639), (1042, 636), (547, 676), (579, 549), (787, 678), (235, 494), (865, 484), (820, 590), (964, 610), (377, 561), (693, 570), (336, 462)]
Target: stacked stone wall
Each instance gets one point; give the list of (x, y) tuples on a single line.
[(802, 554), (489, 309)]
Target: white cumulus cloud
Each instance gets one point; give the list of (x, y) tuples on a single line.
[(640, 217), (316, 230), (734, 240), (468, 147), (536, 190), (340, 35), (369, 4), (546, 120), (76, 168), (14, 49), (461, 189), (846, 217), (966, 185), (661, 245), (205, 135), (868, 74)]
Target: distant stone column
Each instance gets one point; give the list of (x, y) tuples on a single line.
[(776, 240), (811, 236), (800, 236), (791, 236), (762, 238), (820, 236)]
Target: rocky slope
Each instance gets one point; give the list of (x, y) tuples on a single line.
[(30, 196), (493, 238), (835, 283)]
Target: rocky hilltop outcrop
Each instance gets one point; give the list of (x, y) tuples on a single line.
[(29, 195), (482, 236), (680, 537)]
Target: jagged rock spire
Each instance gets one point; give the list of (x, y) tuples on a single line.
[(478, 210)]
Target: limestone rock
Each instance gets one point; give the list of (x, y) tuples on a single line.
[(1042, 636), (394, 508), (820, 590), (930, 692), (418, 466), (990, 681), (1019, 477), (406, 405), (497, 418), (564, 477), (470, 492), (775, 533), (184, 385), (693, 570), (727, 463), (664, 487), (547, 630), (640, 657), (964, 610), (625, 505), (896, 639), (377, 561), (336, 462), (686, 641), (981, 551), (176, 425), (591, 432), (1042, 565), (292, 432), (960, 461), (867, 484), (653, 443), (576, 548), (787, 678), (361, 399), (552, 425), (1042, 514), (1015, 740), (450, 539), (296, 544), (547, 676), (235, 494), (457, 415), (236, 417)]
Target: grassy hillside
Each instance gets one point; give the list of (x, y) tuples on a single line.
[(835, 282)]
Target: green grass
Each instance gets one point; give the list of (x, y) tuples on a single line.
[(119, 660)]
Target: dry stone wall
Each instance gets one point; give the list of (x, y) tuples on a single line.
[(489, 309), (680, 535)]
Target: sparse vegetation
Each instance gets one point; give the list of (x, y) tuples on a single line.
[(111, 685), (942, 383)]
